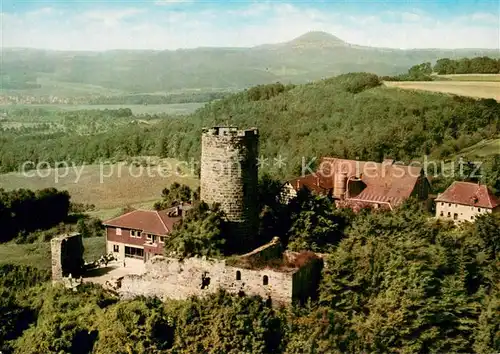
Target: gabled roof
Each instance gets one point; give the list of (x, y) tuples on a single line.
[(384, 182), (151, 221), (468, 193)]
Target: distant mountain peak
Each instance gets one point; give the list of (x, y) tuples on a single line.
[(317, 39)]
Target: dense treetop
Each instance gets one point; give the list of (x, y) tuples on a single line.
[(477, 65)]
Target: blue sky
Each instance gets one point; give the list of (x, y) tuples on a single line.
[(170, 24)]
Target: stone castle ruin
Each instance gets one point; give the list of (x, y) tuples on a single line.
[(67, 258), (277, 276), (229, 177)]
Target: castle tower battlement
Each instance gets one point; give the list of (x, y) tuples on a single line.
[(229, 175)]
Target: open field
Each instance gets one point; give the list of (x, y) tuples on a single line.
[(38, 254), (483, 89), (173, 108), (108, 187), (482, 149), (472, 77)]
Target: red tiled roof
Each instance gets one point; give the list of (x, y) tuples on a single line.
[(155, 222), (468, 193), (383, 182), (311, 182)]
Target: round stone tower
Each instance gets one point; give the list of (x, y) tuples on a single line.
[(229, 176)]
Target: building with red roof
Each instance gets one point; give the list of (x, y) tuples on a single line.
[(138, 235), (465, 200), (358, 184)]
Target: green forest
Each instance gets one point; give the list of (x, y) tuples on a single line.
[(477, 65), (394, 282), (350, 116)]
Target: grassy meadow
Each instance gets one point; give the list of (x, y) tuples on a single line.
[(478, 89), (110, 187), (38, 254), (482, 149)]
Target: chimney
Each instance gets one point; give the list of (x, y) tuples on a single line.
[(339, 185)]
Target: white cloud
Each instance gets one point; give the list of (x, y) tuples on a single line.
[(254, 9), (481, 16), (169, 2), (111, 17), (44, 11), (410, 16), (257, 23)]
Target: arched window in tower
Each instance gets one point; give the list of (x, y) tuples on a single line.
[(238, 275), (265, 280)]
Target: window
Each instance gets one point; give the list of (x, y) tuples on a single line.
[(449, 214), (135, 233), (161, 239), (118, 231), (449, 204), (134, 252), (455, 216), (472, 218), (150, 238), (116, 248), (205, 281), (265, 280), (479, 209), (238, 275), (442, 203), (441, 214)]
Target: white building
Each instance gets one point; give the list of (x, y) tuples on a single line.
[(465, 200)]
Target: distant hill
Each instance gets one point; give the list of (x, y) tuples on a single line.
[(312, 56)]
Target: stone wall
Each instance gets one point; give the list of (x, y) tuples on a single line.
[(176, 279), (67, 256), (229, 175)]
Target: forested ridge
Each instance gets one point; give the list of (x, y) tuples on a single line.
[(349, 116), (321, 54)]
